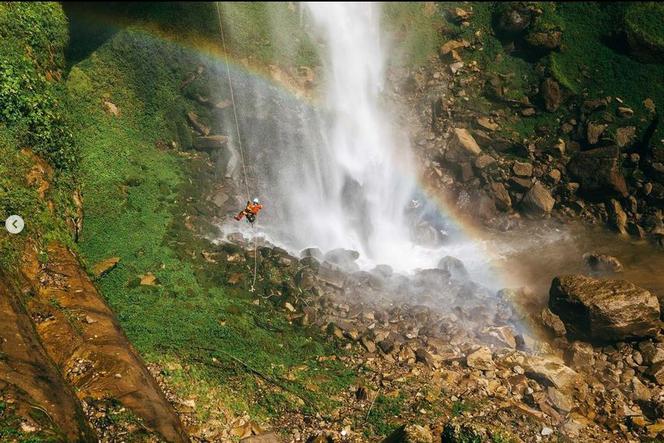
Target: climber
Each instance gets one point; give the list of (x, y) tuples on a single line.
[(251, 211)]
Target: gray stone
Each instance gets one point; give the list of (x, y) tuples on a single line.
[(455, 267)]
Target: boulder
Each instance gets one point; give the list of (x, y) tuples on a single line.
[(551, 371), (340, 256), (598, 172), (210, 143), (481, 359), (580, 356), (195, 122), (522, 169), (551, 94), (538, 200), (512, 18), (594, 131), (466, 141), (652, 353), (105, 266), (548, 40), (625, 136), (501, 196), (553, 322), (617, 216), (454, 266), (604, 310), (602, 263), (344, 258), (312, 252), (332, 276)]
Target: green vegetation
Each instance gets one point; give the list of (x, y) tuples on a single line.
[(32, 116), (212, 338), (644, 21), (10, 427), (34, 37), (414, 31), (267, 33), (384, 417)]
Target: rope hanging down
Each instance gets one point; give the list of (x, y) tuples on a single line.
[(230, 87), (239, 138)]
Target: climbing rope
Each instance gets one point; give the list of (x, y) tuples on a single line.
[(239, 140)]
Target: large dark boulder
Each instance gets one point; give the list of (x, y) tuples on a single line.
[(598, 172), (604, 310)]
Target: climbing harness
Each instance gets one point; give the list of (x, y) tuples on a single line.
[(239, 140)]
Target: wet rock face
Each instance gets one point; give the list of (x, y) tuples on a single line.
[(604, 310)]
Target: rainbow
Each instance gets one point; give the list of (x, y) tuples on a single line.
[(470, 229)]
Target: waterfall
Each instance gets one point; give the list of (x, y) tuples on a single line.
[(341, 174)]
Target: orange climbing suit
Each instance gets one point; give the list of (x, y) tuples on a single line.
[(251, 211)]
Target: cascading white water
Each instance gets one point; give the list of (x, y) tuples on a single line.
[(341, 175), (356, 195)]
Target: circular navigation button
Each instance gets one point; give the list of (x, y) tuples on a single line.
[(14, 224)]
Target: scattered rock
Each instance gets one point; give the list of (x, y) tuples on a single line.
[(455, 267), (522, 169), (111, 108), (148, 279), (551, 94), (466, 141), (269, 437), (453, 45), (486, 123), (618, 216), (594, 131), (196, 123), (545, 40), (625, 136), (581, 356), (553, 322), (501, 196), (625, 112), (210, 143), (538, 200), (601, 263), (598, 171), (604, 310), (483, 161), (481, 359), (410, 434), (105, 266), (551, 371)]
